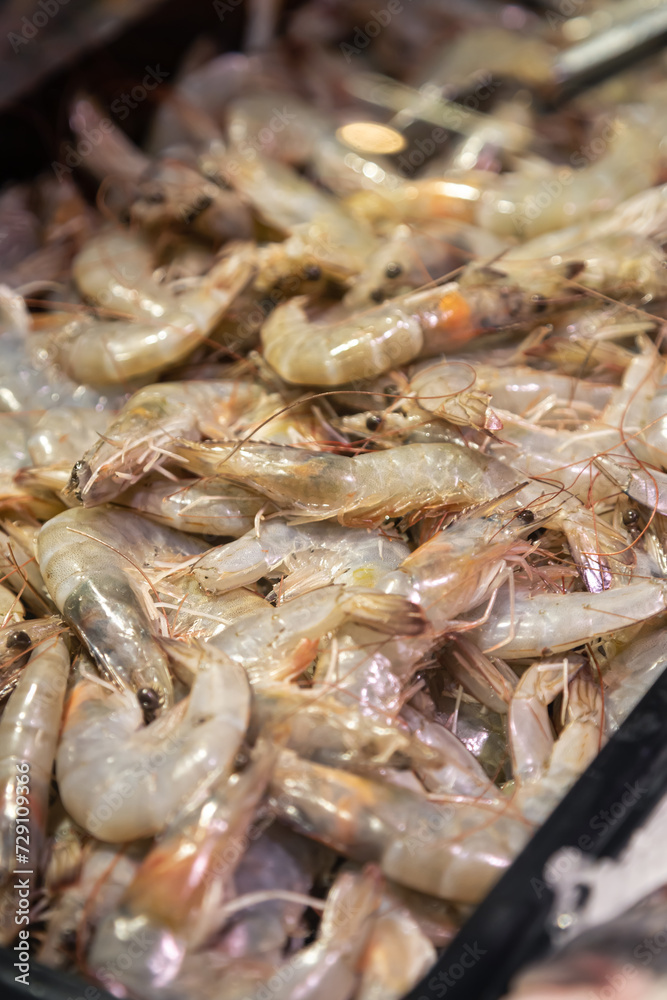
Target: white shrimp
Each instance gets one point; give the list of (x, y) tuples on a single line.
[(454, 852), (176, 894), (362, 490), (311, 556), (524, 626), (392, 334), (28, 739), (279, 643), (397, 955), (139, 436), (93, 563), (163, 329), (122, 780), (198, 506), (320, 232)]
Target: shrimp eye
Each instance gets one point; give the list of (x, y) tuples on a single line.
[(377, 295), (526, 516), (373, 422), (630, 517), (393, 270), (20, 640), (312, 272), (149, 701)]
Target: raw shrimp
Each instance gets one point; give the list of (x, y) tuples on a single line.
[(163, 327), (319, 231), (577, 745), (192, 865), (104, 595), (398, 954), (398, 331), (311, 556), (279, 643), (357, 491), (28, 740), (323, 728), (106, 871), (554, 623), (140, 435), (455, 852), (198, 506), (141, 774), (531, 737)]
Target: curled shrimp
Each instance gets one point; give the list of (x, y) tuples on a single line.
[(164, 327), (398, 331), (141, 774)]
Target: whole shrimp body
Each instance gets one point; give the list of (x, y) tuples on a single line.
[(162, 328), (362, 490), (141, 774)]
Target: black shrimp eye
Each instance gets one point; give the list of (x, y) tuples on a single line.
[(149, 701), (20, 640), (377, 295), (630, 517), (526, 516), (393, 270), (373, 422), (312, 272)]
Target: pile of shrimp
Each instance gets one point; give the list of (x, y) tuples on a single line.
[(333, 504)]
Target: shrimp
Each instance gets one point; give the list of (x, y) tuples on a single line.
[(163, 328), (312, 556), (98, 589), (397, 955), (106, 871), (554, 623), (198, 506), (419, 324), (191, 864), (531, 738), (139, 436), (319, 231), (362, 490), (324, 729), (630, 674), (330, 966), (141, 774), (28, 740), (279, 643), (454, 852), (577, 745)]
